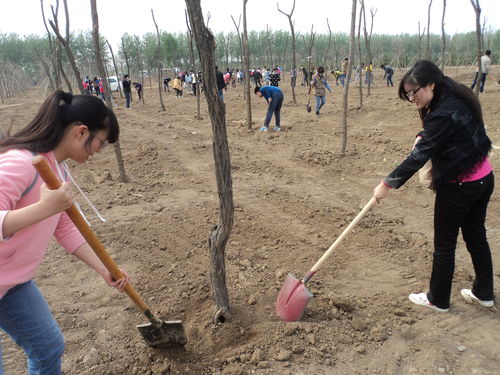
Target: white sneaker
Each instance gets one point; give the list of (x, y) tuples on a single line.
[(421, 300), (471, 298)]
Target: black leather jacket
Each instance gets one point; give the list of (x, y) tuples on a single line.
[(452, 139)]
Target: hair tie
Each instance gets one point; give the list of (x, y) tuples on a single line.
[(67, 97)]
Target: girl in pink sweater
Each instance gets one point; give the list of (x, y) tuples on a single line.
[(65, 127)]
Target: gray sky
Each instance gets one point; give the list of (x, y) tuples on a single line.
[(134, 16)]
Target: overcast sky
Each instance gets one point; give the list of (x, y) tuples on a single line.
[(134, 16)]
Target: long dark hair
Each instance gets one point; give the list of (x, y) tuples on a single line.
[(56, 114), (425, 72)]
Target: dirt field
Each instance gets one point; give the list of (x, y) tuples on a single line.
[(293, 194)]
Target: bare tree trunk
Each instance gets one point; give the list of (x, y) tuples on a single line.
[(348, 78), (360, 68), (294, 52), (443, 37), (159, 61), (428, 31), (107, 90), (246, 66), (193, 67), (221, 232), (477, 10), (116, 69), (65, 43)]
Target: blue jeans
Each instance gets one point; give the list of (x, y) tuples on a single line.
[(461, 206), (25, 316), (342, 79), (481, 84), (127, 98), (320, 102), (389, 79), (274, 107), (221, 94)]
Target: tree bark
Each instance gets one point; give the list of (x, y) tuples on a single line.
[(107, 91), (220, 234), (348, 78), (159, 61)]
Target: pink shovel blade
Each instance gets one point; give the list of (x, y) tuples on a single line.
[(292, 299)]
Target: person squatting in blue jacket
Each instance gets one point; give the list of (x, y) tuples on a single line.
[(274, 96)]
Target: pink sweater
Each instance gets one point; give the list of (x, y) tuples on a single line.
[(22, 253)]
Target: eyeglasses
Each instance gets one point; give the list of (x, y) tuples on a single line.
[(411, 94), (103, 143)]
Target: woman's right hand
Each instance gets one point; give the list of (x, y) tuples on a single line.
[(57, 200), (380, 192)]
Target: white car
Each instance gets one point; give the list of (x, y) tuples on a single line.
[(114, 84)]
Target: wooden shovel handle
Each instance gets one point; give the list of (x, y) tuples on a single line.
[(52, 182), (346, 231)]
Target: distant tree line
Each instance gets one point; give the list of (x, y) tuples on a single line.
[(22, 58)]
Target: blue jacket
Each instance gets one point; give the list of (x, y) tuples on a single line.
[(271, 92)]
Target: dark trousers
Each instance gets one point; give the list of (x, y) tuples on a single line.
[(481, 84), (128, 98), (461, 206), (274, 107)]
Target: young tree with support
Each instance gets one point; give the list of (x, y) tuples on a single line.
[(197, 90), (66, 43), (294, 54), (368, 39), (312, 36), (220, 234), (348, 78), (107, 90), (116, 69), (158, 51), (477, 10), (443, 37), (359, 69), (246, 67), (429, 54)]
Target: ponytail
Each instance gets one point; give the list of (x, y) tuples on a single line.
[(59, 111)]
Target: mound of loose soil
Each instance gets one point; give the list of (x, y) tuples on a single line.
[(294, 194)]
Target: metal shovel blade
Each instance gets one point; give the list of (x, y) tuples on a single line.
[(292, 299), (163, 334), (308, 108)]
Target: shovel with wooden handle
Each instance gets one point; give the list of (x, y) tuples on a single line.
[(294, 296), (156, 333)]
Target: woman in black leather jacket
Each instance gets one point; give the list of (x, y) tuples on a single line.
[(454, 139)]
